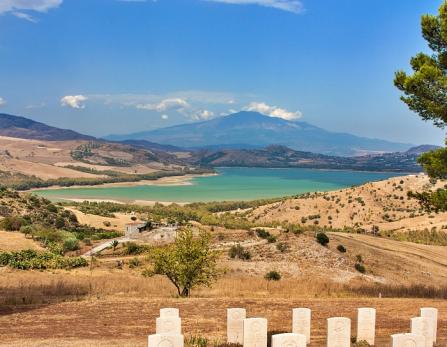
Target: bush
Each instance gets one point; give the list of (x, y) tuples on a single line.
[(134, 262), (12, 223), (132, 248), (282, 247), (271, 239), (272, 276), (341, 249), (71, 245), (263, 234), (107, 223), (322, 239), (360, 268), (30, 259), (237, 251)]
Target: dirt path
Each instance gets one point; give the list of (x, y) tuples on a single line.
[(127, 321)]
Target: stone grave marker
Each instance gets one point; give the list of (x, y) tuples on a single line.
[(289, 340), (339, 332), (235, 325), (301, 322), (366, 325), (255, 332), (168, 325)]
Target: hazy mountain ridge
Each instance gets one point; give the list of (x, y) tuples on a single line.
[(283, 157), (21, 127), (254, 129)]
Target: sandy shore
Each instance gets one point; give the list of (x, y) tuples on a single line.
[(185, 180), (132, 202)]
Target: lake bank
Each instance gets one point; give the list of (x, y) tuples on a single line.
[(229, 184)]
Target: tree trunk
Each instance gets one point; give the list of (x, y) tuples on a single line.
[(185, 292)]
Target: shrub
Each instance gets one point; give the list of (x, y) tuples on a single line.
[(360, 268), (341, 249), (71, 245), (30, 259), (263, 234), (132, 248), (271, 239), (237, 251), (272, 276), (12, 223), (134, 262), (282, 247), (322, 239), (107, 223)]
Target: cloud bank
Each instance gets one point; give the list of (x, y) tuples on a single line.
[(273, 111), (294, 6), (2, 101), (19, 8), (74, 101)]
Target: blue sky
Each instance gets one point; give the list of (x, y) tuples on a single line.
[(109, 66)]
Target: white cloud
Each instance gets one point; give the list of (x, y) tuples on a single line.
[(202, 115), (164, 116), (294, 6), (34, 106), (273, 111), (165, 105), (19, 7), (74, 101), (2, 101)]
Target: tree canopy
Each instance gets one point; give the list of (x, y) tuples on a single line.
[(188, 262), (425, 92)]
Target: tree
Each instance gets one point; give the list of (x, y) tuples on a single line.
[(322, 239), (425, 92), (115, 244), (188, 262)]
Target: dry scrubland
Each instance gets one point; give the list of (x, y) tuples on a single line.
[(104, 305), (384, 204)]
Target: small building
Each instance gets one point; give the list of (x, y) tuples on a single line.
[(135, 228)]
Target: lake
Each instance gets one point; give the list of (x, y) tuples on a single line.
[(230, 184)]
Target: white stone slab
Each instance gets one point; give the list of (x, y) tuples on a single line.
[(235, 325), (169, 312), (407, 340), (255, 332), (366, 325), (289, 340), (165, 340), (423, 326), (301, 322), (169, 325), (431, 313), (338, 332)]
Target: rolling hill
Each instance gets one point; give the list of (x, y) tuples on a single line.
[(248, 129)]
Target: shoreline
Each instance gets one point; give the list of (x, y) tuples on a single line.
[(184, 180)]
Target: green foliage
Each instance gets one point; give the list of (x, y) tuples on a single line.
[(272, 276), (341, 249), (282, 247), (134, 262), (132, 248), (322, 239), (360, 268), (196, 341), (187, 263), (425, 92), (71, 245), (30, 259), (12, 223), (237, 251)]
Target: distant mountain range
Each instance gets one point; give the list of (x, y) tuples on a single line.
[(16, 126), (252, 129), (283, 157), (95, 150)]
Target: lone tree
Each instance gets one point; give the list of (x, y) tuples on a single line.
[(187, 263), (425, 92)]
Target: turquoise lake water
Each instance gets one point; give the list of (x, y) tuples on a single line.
[(230, 184)]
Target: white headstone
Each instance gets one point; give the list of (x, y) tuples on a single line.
[(301, 321), (431, 313), (169, 312), (255, 332), (407, 340), (366, 325), (338, 332), (235, 325), (165, 340), (289, 340), (423, 326), (169, 325)]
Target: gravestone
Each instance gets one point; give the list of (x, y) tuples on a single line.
[(235, 325), (301, 322), (169, 312), (165, 340), (255, 332), (289, 340), (407, 340), (423, 326), (338, 332), (431, 313), (168, 325), (366, 325)]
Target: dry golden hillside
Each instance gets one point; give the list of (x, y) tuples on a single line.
[(384, 204)]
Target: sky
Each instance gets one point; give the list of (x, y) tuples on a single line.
[(121, 66)]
